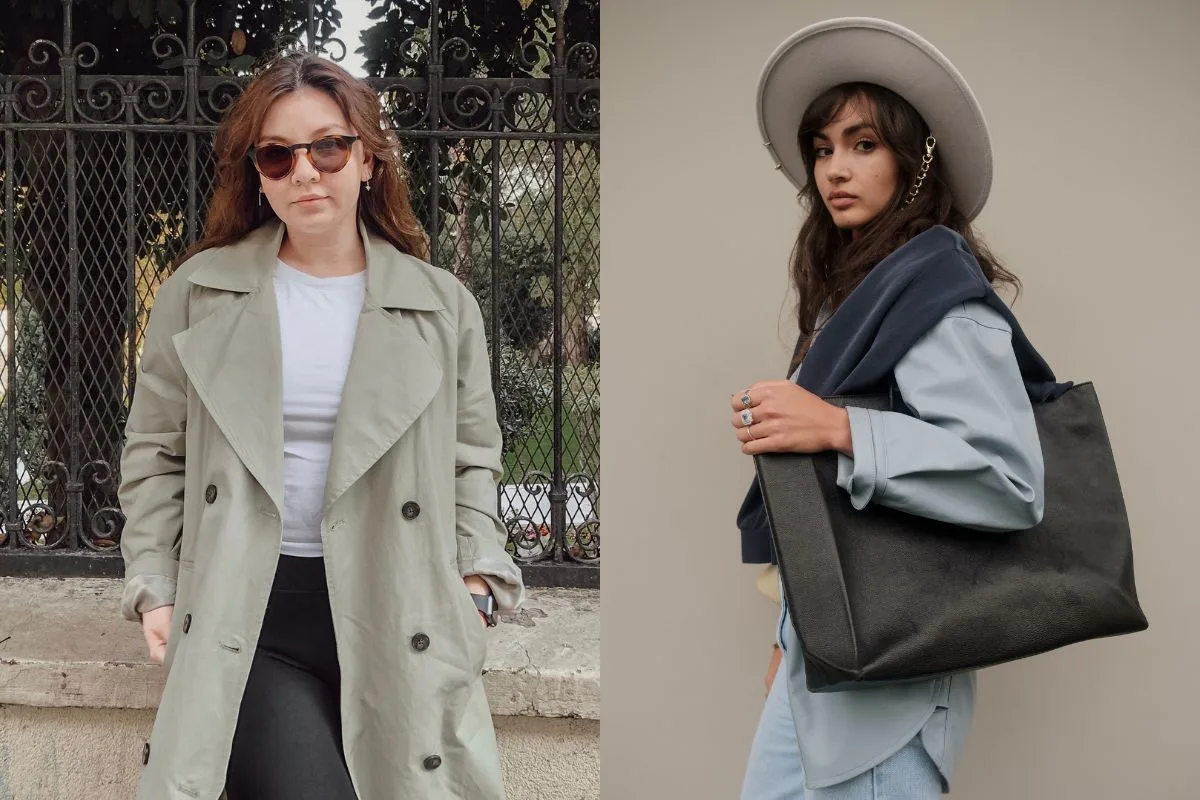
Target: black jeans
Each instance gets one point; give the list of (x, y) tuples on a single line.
[(288, 740)]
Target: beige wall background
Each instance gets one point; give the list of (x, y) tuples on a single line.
[(1094, 113)]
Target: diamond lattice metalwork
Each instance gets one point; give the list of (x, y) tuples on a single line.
[(106, 170)]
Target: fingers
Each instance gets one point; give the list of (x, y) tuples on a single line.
[(757, 394), (757, 431), (764, 444), (738, 400), (158, 650), (773, 667), (757, 438), (761, 393), (758, 415)]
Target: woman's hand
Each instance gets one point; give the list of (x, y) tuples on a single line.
[(789, 419), (773, 667), (156, 627), (477, 585)]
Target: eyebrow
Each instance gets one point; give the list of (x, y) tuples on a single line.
[(853, 129), (317, 134)]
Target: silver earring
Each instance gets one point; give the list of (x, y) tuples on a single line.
[(367, 185), (260, 193), (930, 143)]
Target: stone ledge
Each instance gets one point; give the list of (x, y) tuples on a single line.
[(64, 644)]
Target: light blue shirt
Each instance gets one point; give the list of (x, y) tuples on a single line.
[(967, 453)]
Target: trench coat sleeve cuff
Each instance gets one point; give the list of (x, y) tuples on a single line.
[(508, 595), (486, 557), (149, 579), (145, 593), (860, 474), (481, 539)]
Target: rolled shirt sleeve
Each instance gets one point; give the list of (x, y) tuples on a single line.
[(969, 452)]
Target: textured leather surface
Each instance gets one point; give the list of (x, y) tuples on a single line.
[(880, 596)]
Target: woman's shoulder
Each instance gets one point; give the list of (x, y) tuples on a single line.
[(439, 279), (977, 313), (410, 282), (971, 332), (441, 282)]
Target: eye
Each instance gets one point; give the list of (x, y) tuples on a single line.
[(865, 145), (326, 145), (820, 152)]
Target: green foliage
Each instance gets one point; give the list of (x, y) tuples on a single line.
[(523, 285), (28, 398), (580, 435), (521, 395), (497, 30), (147, 12), (123, 30)]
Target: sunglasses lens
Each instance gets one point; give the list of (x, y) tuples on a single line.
[(330, 154), (274, 161)]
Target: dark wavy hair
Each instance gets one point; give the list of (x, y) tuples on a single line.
[(827, 262), (234, 211)]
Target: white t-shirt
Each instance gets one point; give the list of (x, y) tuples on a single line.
[(318, 318)]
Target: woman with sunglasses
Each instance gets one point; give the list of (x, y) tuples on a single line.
[(309, 479)]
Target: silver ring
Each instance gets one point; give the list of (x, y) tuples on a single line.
[(747, 417), (746, 399)]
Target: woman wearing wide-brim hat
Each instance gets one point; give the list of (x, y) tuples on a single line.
[(890, 152)]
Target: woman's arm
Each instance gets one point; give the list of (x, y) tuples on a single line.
[(969, 454), (478, 466), (151, 491)]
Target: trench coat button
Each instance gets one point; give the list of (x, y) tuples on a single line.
[(433, 762), (146, 753), (187, 622), (420, 643), (210, 494), (410, 510)]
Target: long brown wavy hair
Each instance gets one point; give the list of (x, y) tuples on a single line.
[(827, 262), (234, 211)]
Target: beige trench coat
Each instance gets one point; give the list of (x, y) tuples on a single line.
[(410, 507)]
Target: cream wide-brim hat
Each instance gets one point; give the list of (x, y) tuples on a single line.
[(863, 49)]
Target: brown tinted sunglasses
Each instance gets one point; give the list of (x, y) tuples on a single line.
[(328, 154)]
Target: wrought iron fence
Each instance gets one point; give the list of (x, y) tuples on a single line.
[(105, 178)]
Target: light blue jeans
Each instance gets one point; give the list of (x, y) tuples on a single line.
[(774, 771)]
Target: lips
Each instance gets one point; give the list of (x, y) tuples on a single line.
[(842, 200), (312, 199)]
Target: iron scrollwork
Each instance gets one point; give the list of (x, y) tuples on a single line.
[(441, 107)]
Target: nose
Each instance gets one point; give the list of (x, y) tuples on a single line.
[(837, 166), (304, 172)]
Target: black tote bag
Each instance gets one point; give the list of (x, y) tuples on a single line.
[(879, 596)]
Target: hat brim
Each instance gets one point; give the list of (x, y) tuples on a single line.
[(863, 49)]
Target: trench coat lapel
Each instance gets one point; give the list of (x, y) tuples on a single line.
[(232, 356), (393, 372), (233, 359)]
